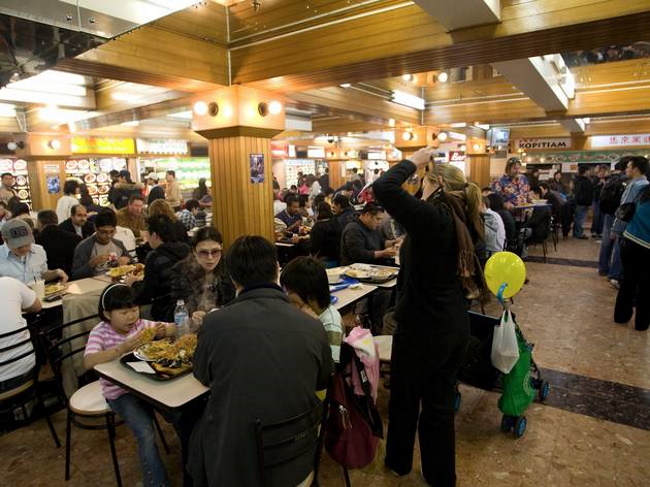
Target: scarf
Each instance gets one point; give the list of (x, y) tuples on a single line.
[(469, 267)]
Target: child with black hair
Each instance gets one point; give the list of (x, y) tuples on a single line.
[(121, 331), (305, 282)]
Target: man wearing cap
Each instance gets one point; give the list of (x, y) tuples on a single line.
[(21, 258), (361, 241), (152, 182)]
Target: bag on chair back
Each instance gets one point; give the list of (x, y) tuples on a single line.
[(352, 426)]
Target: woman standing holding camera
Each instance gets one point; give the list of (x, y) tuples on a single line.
[(438, 272)]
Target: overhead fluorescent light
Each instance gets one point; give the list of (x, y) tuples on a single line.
[(457, 135), (407, 99), (345, 85), (7, 110), (133, 123), (458, 125), (186, 115)]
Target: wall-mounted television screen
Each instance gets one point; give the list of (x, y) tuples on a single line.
[(498, 136)]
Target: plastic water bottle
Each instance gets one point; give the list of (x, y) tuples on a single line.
[(181, 319)]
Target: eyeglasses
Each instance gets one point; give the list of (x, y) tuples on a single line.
[(204, 254), (107, 233)]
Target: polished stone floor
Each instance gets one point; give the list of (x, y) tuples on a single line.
[(592, 431)]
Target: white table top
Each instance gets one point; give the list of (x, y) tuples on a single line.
[(385, 345), (170, 394), (81, 286), (348, 296)]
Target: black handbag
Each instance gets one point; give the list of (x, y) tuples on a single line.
[(625, 212)]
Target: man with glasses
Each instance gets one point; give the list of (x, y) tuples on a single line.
[(94, 254)]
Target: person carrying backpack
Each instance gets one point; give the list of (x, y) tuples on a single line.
[(609, 259), (582, 198)]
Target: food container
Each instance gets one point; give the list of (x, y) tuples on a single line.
[(335, 275)]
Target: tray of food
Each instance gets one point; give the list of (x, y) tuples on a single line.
[(166, 358), (51, 289), (372, 274)]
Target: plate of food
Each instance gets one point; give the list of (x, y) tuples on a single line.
[(358, 273), (90, 178), (371, 274), (23, 194), (83, 164), (51, 289), (92, 189), (71, 165), (104, 189), (168, 358), (21, 180), (5, 165), (20, 165), (123, 270), (102, 177)]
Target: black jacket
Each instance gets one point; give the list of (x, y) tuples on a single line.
[(348, 215), (262, 359), (325, 239), (157, 284), (120, 193), (509, 224), (359, 243), (87, 230), (582, 191), (430, 294), (59, 247)]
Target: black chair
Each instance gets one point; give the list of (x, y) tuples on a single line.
[(86, 406), (280, 443), (23, 390)]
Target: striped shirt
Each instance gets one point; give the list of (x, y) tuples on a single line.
[(104, 337), (331, 320)]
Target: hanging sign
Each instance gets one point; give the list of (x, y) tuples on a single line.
[(555, 143), (102, 145), (162, 146), (456, 156), (619, 140)]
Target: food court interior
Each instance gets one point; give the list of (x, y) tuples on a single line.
[(206, 88)]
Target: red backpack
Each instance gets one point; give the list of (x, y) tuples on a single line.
[(352, 427)]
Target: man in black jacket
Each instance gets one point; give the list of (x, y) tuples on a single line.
[(361, 242), (155, 287), (343, 210), (262, 359), (78, 222), (59, 245), (582, 198)]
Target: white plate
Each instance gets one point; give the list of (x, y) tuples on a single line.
[(139, 353)]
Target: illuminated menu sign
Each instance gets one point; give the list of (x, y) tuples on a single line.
[(162, 146), (620, 140), (102, 145)]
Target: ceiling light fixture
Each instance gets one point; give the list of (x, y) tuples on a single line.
[(442, 136), (442, 77), (476, 147), (407, 135), (200, 108), (16, 145), (463, 148), (345, 85), (407, 99), (407, 77), (275, 107), (54, 144)]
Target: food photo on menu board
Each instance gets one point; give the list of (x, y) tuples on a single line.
[(257, 168)]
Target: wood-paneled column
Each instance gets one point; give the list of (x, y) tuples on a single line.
[(239, 124)]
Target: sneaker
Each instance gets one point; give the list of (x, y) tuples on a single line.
[(615, 284)]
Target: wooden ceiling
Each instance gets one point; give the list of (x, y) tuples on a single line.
[(306, 49)]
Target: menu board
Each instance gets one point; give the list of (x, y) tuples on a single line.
[(93, 172), (293, 166), (18, 167), (188, 169)]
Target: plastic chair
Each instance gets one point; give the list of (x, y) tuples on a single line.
[(86, 406), (23, 392), (280, 443)]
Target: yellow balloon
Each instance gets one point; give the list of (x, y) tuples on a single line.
[(505, 268)]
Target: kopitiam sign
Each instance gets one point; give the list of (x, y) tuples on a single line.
[(620, 140), (532, 144)]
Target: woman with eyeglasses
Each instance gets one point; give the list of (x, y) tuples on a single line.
[(438, 272), (201, 279)]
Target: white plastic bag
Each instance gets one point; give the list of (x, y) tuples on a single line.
[(505, 349)]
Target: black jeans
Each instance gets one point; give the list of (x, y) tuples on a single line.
[(423, 373), (635, 288)]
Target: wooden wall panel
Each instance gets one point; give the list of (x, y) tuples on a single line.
[(502, 111), (479, 169), (41, 199), (207, 22), (239, 206)]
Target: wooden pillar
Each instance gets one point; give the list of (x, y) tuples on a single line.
[(239, 123), (479, 169), (336, 180), (239, 206)]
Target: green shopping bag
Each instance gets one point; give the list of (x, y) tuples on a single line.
[(518, 391)]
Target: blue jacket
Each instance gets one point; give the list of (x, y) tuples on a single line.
[(638, 230), (631, 194)]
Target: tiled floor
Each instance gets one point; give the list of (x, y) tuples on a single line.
[(565, 310)]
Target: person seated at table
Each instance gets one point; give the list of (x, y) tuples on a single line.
[(509, 225), (305, 281), (262, 359), (291, 215), (201, 279), (94, 254), (5, 214), (187, 216), (20, 211), (326, 237), (162, 207), (23, 259), (495, 231), (131, 215), (58, 244), (87, 200), (343, 210), (78, 222), (361, 242), (537, 227), (120, 332), (154, 287), (560, 207), (16, 300), (512, 186)]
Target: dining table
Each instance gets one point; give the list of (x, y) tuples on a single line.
[(79, 288)]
